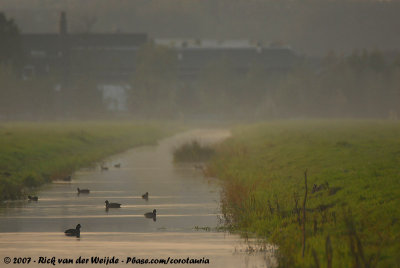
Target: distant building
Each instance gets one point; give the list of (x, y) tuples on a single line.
[(110, 58), (111, 54), (195, 54)]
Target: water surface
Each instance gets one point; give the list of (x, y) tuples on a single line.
[(183, 197)]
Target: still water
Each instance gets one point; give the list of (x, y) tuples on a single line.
[(180, 193)]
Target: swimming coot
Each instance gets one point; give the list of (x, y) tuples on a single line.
[(103, 167), (33, 198), (151, 215), (112, 205), (83, 191), (74, 232)]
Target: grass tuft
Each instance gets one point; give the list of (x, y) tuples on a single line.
[(193, 152)]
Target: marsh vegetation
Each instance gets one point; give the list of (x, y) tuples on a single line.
[(193, 151), (353, 183)]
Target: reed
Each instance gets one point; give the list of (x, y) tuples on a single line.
[(193, 152)]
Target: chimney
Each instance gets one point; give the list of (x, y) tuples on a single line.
[(63, 23)]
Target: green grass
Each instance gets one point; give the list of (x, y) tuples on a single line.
[(358, 206), (32, 154)]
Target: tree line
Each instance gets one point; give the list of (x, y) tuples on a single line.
[(363, 84)]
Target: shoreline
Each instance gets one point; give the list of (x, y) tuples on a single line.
[(33, 154)]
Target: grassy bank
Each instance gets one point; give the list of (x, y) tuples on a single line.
[(35, 153), (352, 212)]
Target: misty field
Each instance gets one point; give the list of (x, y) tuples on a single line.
[(353, 200), (35, 153)]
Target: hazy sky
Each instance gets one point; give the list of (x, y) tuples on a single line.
[(312, 27)]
